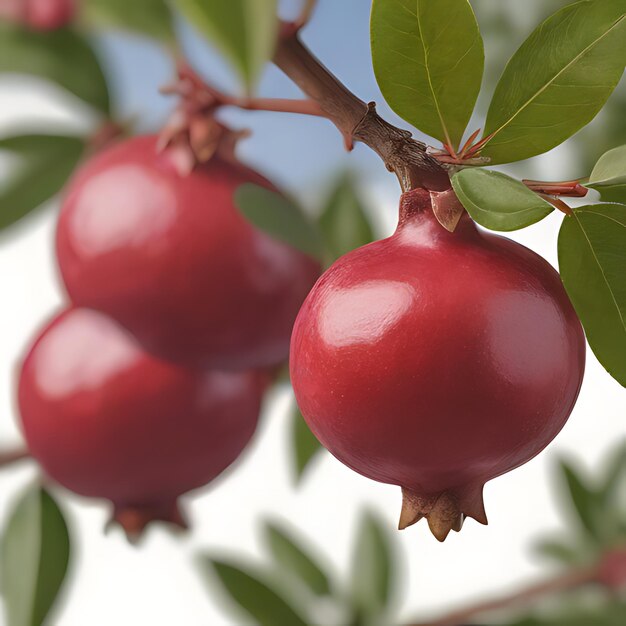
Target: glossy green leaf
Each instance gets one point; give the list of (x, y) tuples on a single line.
[(34, 559), (497, 201), (295, 560), (61, 56), (428, 58), (373, 569), (244, 30), (280, 218), (592, 258), (609, 175), (583, 500), (147, 17), (255, 597), (344, 221), (558, 80), (45, 164)]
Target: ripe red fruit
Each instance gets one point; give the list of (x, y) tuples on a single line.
[(172, 259), (437, 361), (42, 15), (106, 420)]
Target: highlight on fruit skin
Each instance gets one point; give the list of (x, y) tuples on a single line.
[(106, 420), (437, 361), (170, 257)]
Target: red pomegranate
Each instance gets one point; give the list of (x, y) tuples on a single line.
[(42, 15), (106, 420), (437, 361), (172, 259)]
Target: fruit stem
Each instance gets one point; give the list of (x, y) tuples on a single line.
[(13, 456), (357, 120), (572, 579)]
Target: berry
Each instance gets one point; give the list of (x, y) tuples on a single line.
[(41, 15), (172, 259), (437, 361), (106, 420)]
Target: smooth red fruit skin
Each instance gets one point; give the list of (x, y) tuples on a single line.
[(49, 14), (106, 420), (41, 15), (436, 360), (172, 259)]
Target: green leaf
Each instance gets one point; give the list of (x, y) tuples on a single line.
[(558, 80), (614, 476), (428, 59), (280, 218), (305, 445), (373, 569), (559, 551), (147, 17), (255, 597), (343, 221), (497, 201), (61, 56), (295, 560), (583, 500), (592, 258), (46, 162), (609, 175), (244, 30), (35, 557)]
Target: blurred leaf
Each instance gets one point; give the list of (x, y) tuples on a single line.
[(497, 201), (279, 218), (255, 597), (592, 258), (61, 56), (608, 613), (244, 30), (295, 561), (46, 162), (373, 570), (583, 499), (305, 444), (614, 476), (559, 551), (147, 17), (35, 556), (558, 80), (428, 58), (343, 220), (609, 175)]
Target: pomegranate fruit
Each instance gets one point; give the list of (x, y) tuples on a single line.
[(42, 15), (437, 361), (106, 420), (171, 258)]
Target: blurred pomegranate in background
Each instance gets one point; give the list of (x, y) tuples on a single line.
[(170, 257), (41, 15), (106, 420), (437, 361)]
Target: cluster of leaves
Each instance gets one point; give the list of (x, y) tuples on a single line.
[(342, 224), (429, 60), (296, 588)]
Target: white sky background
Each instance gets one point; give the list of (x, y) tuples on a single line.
[(158, 583)]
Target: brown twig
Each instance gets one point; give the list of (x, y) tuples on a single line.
[(13, 456), (570, 580), (358, 121)]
